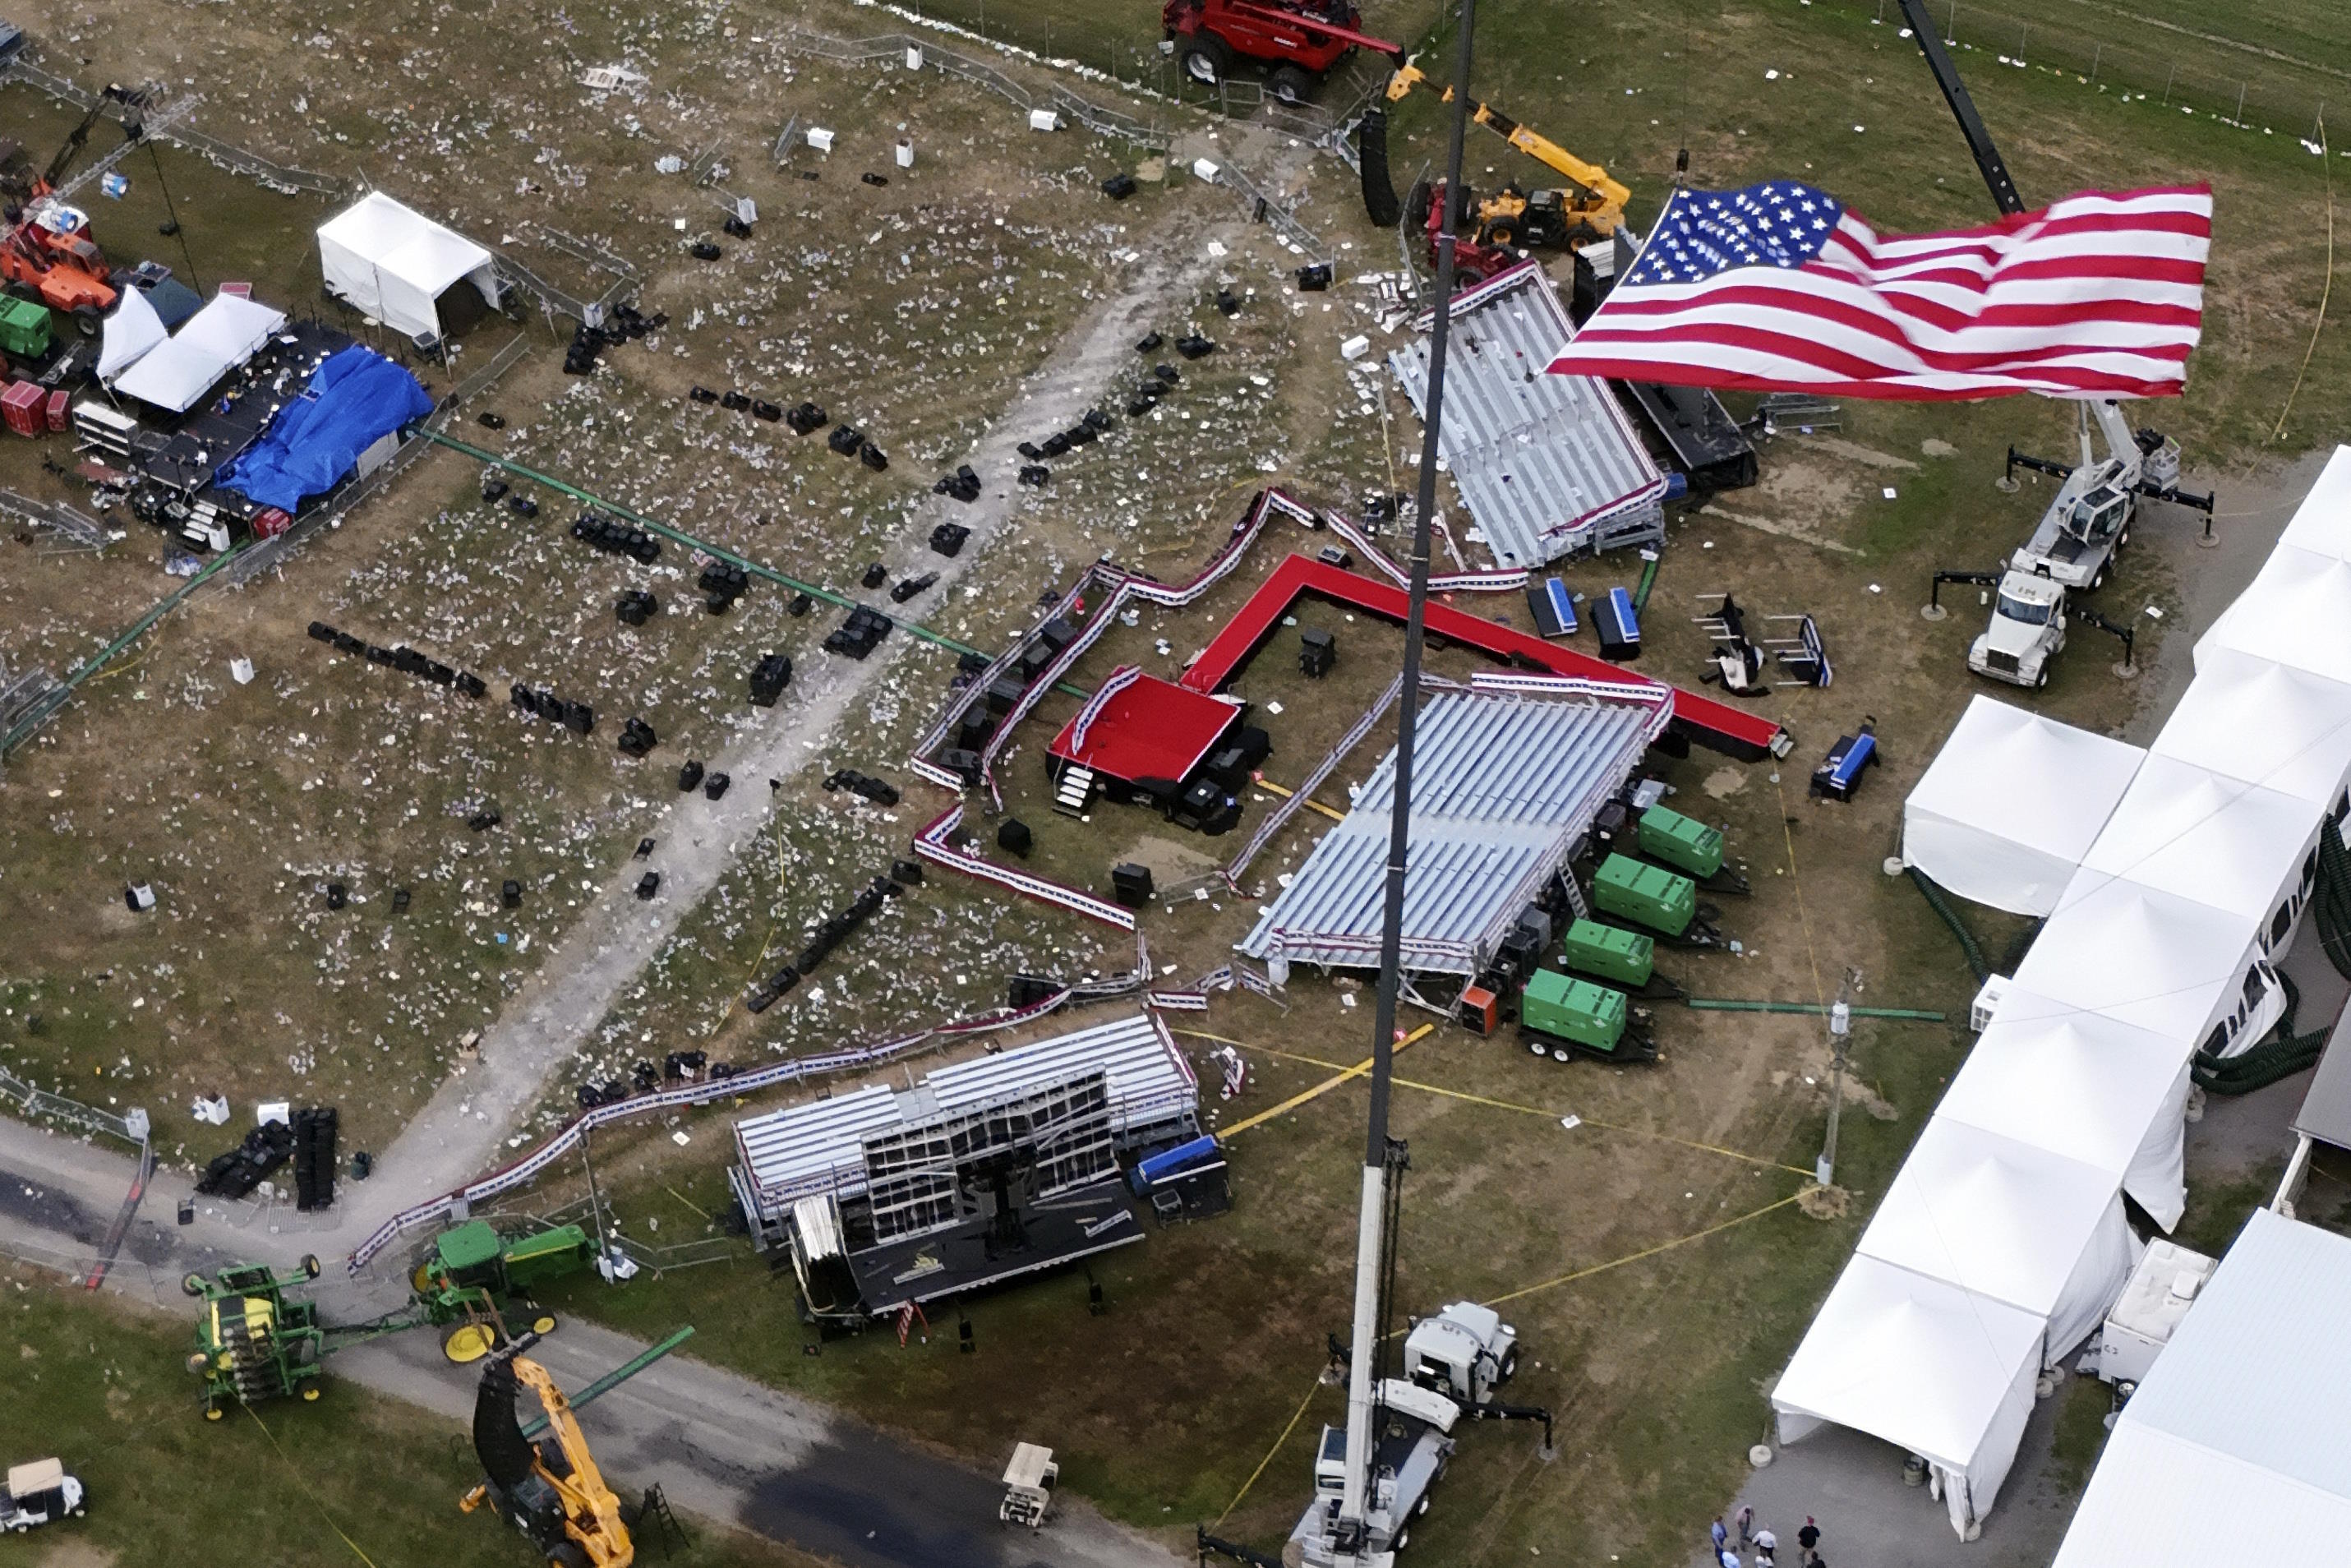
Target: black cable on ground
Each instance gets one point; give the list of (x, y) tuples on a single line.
[(2018, 948), (2281, 1055), (1950, 918), (2331, 900)]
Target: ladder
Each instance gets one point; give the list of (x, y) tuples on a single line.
[(1074, 789)]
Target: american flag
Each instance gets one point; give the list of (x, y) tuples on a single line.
[(1780, 286)]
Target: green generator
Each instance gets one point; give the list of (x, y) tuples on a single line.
[(1626, 957), (1682, 844), (1559, 1015), (1648, 894), (24, 327)]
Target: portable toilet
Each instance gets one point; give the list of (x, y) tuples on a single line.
[(1649, 894), (1681, 843)]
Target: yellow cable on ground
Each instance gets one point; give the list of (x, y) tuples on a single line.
[(305, 1485), (1648, 1252), (1512, 1105), (2325, 289), (1312, 803), (1360, 1069), (1299, 1414), (1296, 1416)]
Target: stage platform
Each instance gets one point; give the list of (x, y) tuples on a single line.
[(1138, 727), (1055, 1231)]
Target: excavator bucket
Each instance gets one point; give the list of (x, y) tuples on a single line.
[(1371, 154)]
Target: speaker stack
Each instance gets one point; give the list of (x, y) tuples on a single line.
[(314, 1157)]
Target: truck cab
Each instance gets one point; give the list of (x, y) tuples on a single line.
[(2083, 528), (1466, 1353), (40, 1493), (2027, 629), (1411, 1449)]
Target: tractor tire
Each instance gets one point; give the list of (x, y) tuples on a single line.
[(1501, 235), (192, 1284), (569, 1554), (1417, 205), (1470, 277), (311, 1265), (1289, 85), (1509, 1364), (86, 322), (1206, 59)]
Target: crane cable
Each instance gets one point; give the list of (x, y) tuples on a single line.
[(2327, 288)]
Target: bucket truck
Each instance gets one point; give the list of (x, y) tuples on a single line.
[(2079, 536), (2090, 519)]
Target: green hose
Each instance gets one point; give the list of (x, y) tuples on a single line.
[(1729, 1005), (2281, 1055), (1950, 918), (2332, 899), (1648, 581)]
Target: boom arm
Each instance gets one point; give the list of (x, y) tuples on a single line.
[(1963, 108), (1534, 144), (1282, 17)]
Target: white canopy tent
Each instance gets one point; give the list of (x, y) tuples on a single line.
[(2166, 964), (2084, 1086), (2322, 524), (1931, 1368), (132, 330), (213, 342), (2010, 804), (2296, 611), (2002, 1219), (2237, 1447), (393, 263), (2266, 722), (2186, 829)]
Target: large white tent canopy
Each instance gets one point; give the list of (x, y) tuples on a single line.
[(2186, 829), (2005, 1220), (132, 330), (2010, 804), (2088, 1087), (2263, 721), (394, 263), (175, 373), (2167, 963), (2322, 524), (2296, 611), (2237, 1447), (1931, 1368)]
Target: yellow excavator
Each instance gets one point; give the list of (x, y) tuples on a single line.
[(1494, 231), (549, 1489)]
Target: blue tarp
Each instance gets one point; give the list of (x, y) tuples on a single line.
[(354, 400)]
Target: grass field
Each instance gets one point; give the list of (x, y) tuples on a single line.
[(347, 1479)]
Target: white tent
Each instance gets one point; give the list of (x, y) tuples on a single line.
[(210, 343), (2237, 847), (2237, 1447), (2296, 611), (2010, 804), (2266, 723), (129, 332), (2083, 1086), (393, 263), (2005, 1220), (2166, 964), (2322, 524), (1931, 1368)]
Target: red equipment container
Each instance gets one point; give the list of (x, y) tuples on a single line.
[(61, 410), (25, 407), (270, 522)]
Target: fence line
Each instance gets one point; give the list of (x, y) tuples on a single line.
[(284, 177), (35, 1102)]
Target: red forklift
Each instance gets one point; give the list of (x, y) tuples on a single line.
[(1300, 40)]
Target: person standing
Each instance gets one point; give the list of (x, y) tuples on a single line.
[(1767, 1550), (1720, 1537), (1745, 1519), (1808, 1540)]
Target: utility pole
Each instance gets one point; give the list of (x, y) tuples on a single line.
[(1840, 1039)]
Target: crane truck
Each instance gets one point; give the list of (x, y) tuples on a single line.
[(551, 1489), (47, 254), (2090, 519), (2076, 542)]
